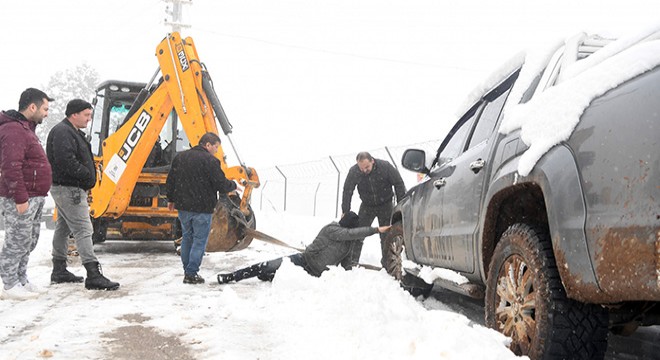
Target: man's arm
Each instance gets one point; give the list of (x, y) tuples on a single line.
[(220, 181), (170, 183), (397, 182), (13, 157), (349, 188), (345, 234)]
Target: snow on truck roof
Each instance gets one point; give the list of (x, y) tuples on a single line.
[(573, 73)]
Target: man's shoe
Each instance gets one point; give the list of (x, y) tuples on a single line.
[(266, 277), (95, 279), (225, 278), (33, 288), (62, 275), (193, 279), (18, 292)]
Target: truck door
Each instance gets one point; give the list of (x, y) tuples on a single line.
[(464, 186), (430, 246)]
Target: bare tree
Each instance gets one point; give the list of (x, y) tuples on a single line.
[(77, 82)]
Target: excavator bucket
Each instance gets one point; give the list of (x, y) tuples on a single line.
[(229, 227)]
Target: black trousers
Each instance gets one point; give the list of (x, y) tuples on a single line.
[(266, 270), (367, 215)]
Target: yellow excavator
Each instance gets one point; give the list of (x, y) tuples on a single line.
[(136, 131)]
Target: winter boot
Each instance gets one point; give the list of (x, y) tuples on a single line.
[(95, 279), (224, 278), (192, 279), (62, 275)]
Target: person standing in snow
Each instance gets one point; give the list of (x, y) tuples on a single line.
[(331, 247), (192, 186), (25, 177), (74, 173), (374, 179)]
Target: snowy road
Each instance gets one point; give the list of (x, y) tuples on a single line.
[(361, 314)]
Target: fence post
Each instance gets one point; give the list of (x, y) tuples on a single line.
[(315, 194), (285, 184), (391, 158), (338, 181), (261, 196)]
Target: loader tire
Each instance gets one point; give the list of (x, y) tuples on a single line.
[(526, 301)]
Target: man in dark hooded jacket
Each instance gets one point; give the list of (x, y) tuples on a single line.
[(25, 177), (330, 248)]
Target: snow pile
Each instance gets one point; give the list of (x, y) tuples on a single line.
[(549, 118), (429, 274), (356, 315)]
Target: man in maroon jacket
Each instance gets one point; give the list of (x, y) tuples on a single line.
[(25, 177)]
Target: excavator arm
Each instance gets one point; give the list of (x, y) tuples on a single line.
[(186, 88)]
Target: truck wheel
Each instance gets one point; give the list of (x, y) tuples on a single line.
[(526, 301), (394, 243)]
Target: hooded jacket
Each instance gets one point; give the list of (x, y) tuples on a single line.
[(332, 245), (375, 188), (70, 154), (24, 168)]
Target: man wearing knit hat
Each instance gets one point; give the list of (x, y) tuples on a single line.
[(74, 173)]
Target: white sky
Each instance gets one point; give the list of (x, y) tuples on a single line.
[(300, 79), (361, 314)]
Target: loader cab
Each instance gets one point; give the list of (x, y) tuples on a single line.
[(114, 103), (147, 216)]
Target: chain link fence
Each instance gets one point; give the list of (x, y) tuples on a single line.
[(315, 187)]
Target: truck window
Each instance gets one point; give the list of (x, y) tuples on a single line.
[(488, 119), (456, 144)]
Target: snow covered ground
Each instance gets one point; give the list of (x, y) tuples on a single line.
[(360, 314)]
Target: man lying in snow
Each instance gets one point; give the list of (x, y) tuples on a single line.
[(332, 246)]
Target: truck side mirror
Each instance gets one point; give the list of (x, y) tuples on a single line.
[(415, 160)]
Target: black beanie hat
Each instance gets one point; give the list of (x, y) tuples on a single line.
[(350, 220), (76, 105)]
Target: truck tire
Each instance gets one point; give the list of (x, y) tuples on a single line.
[(394, 248), (525, 300)]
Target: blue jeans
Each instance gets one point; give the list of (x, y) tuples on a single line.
[(195, 228)]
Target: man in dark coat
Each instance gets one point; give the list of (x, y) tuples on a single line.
[(192, 186), (330, 248), (74, 173), (374, 179), (25, 176)]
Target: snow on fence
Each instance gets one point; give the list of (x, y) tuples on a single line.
[(315, 187)]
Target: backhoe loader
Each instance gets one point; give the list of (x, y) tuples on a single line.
[(136, 131)]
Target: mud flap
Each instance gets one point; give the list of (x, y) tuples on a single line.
[(228, 227)]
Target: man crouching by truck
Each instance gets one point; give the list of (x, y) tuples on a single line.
[(192, 186), (331, 247)]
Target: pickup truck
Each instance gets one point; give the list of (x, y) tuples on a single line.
[(545, 197)]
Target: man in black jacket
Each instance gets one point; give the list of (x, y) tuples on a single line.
[(193, 183), (374, 179), (74, 173)]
